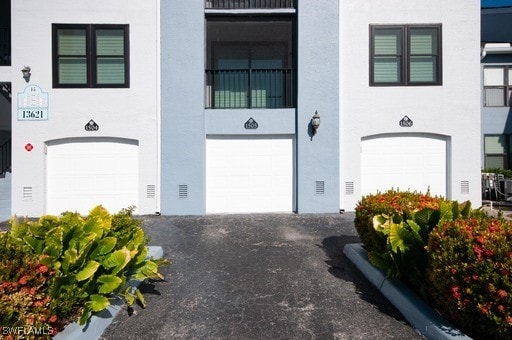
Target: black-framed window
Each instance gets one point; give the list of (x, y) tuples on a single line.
[(498, 86), (405, 55), (90, 55), (498, 151)]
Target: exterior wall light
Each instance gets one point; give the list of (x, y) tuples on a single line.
[(26, 73), (315, 122)]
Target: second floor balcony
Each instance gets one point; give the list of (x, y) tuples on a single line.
[(250, 88), (249, 4)]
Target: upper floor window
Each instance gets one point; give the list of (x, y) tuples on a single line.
[(405, 55), (90, 55), (249, 63), (498, 86)]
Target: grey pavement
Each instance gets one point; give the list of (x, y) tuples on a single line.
[(268, 276)]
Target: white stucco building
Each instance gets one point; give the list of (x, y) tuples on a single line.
[(201, 106), (409, 98), (85, 122)]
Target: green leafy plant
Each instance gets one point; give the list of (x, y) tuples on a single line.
[(406, 236), (391, 202), (92, 258), (469, 275)]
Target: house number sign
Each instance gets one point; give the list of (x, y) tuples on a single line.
[(406, 122), (33, 104), (92, 126), (251, 124)]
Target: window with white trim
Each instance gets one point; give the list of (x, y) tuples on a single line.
[(405, 55), (498, 86), (90, 55)]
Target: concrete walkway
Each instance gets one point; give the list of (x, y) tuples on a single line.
[(274, 276)]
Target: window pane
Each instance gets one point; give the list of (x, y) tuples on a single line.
[(267, 89), (387, 42), (110, 71), (494, 96), (231, 89), (510, 76), (422, 69), (71, 42), (495, 144), (110, 42), (423, 41), (494, 162), (387, 70), (72, 70), (494, 76)]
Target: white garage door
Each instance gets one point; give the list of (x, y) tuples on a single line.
[(82, 173), (405, 163), (249, 175)]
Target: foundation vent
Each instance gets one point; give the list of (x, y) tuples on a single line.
[(349, 188), (27, 193), (150, 191), (464, 187), (182, 191), (319, 187)]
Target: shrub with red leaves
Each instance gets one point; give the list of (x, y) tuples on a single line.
[(470, 275)]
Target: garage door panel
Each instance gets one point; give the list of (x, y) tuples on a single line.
[(82, 174), (404, 162), (256, 175)]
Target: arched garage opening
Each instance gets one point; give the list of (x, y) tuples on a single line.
[(406, 162), (84, 172)]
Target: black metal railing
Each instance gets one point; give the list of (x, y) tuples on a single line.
[(5, 157), (5, 46), (249, 4), (250, 88)]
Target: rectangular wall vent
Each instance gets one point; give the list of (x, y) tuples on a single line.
[(182, 191), (464, 187), (150, 191), (319, 187), (349, 188), (27, 193)]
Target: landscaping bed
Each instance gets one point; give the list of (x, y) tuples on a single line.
[(59, 269), (458, 259)]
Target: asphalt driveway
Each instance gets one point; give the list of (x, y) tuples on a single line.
[(279, 276)]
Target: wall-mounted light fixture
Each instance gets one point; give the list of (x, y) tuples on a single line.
[(315, 122), (26, 73)]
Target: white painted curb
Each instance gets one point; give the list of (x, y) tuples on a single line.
[(429, 323), (100, 321)]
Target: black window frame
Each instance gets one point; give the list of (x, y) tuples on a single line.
[(506, 87), (506, 156), (91, 55), (405, 55)]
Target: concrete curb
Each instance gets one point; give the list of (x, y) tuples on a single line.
[(415, 310), (100, 321)]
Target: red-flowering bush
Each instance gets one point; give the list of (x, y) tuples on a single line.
[(389, 203), (24, 302), (470, 275)]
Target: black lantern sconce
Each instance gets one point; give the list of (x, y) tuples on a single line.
[(315, 122), (26, 73)]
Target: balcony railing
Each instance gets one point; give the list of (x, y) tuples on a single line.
[(5, 46), (5, 157), (250, 88), (249, 4)]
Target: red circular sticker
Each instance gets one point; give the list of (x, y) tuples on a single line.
[(29, 147)]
